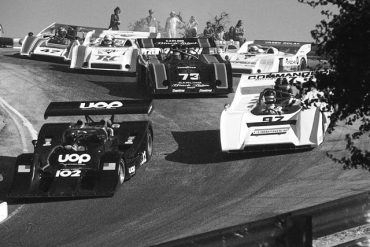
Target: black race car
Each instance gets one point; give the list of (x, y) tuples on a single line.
[(86, 158), (182, 66)]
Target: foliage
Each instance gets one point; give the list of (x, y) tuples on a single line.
[(343, 38)]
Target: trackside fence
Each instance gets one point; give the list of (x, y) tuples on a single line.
[(292, 229)]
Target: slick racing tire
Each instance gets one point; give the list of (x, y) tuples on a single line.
[(149, 145), (302, 64), (121, 171)]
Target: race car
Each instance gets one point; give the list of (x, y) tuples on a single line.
[(84, 158), (264, 56), (56, 40), (112, 50), (264, 116), (182, 66)]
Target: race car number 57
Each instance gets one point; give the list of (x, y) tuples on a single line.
[(68, 173)]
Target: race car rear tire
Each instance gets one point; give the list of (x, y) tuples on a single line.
[(149, 145), (302, 64), (121, 171)]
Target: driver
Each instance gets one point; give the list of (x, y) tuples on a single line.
[(107, 41), (269, 97), (61, 36)]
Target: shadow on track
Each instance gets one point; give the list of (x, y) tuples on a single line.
[(203, 147)]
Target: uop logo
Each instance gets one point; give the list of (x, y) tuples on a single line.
[(83, 158), (101, 105)]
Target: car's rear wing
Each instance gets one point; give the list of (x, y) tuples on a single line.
[(168, 43), (292, 47), (102, 107)]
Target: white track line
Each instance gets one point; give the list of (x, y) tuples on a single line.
[(12, 112)]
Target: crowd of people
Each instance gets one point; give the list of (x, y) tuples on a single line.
[(288, 93), (191, 28)]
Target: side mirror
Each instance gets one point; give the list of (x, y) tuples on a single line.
[(34, 142)]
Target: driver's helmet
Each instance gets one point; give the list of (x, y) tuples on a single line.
[(107, 40), (70, 137), (62, 32), (176, 55), (253, 48), (269, 97)]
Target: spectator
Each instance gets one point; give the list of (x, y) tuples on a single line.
[(151, 22), (230, 34), (1, 30), (239, 33), (172, 23), (114, 19), (209, 32), (220, 33), (191, 28)]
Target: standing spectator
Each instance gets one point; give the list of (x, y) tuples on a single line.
[(209, 32), (172, 23), (230, 34), (220, 33), (114, 19), (151, 22), (1, 30), (239, 32), (191, 28)]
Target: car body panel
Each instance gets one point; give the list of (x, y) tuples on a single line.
[(86, 166), (264, 56), (244, 125), (45, 44), (121, 56), (196, 71)]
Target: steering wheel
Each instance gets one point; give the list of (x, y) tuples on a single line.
[(270, 112)]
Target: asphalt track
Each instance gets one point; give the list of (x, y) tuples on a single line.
[(189, 187)]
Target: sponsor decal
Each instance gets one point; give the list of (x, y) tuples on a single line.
[(277, 131), (130, 140), (101, 105), (178, 41), (186, 67), (109, 166), (131, 169), (281, 75), (83, 158), (205, 90), (24, 168), (68, 173), (178, 90)]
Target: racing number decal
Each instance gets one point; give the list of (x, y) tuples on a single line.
[(272, 119), (106, 58), (68, 173), (191, 76)]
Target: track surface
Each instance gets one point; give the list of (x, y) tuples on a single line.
[(189, 187)]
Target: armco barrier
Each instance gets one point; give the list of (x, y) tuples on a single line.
[(292, 229)]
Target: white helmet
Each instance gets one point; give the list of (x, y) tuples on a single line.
[(108, 39)]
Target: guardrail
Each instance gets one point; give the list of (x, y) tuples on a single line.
[(292, 229)]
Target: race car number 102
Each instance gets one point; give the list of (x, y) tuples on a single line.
[(191, 76), (68, 173)]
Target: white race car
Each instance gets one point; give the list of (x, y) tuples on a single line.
[(111, 50), (263, 118), (56, 40), (264, 56)]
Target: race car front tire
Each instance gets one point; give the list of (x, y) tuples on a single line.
[(121, 171), (149, 145)]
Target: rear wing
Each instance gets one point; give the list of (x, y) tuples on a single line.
[(292, 47), (104, 107), (168, 43)]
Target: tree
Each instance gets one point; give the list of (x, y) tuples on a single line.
[(344, 39)]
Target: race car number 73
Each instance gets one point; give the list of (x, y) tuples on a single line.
[(191, 76)]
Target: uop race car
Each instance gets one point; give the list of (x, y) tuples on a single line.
[(264, 56), (56, 40), (84, 159), (182, 66), (263, 117), (112, 50)]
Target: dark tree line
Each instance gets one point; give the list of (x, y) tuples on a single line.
[(343, 38)]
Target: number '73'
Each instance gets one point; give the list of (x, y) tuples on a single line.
[(191, 76)]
